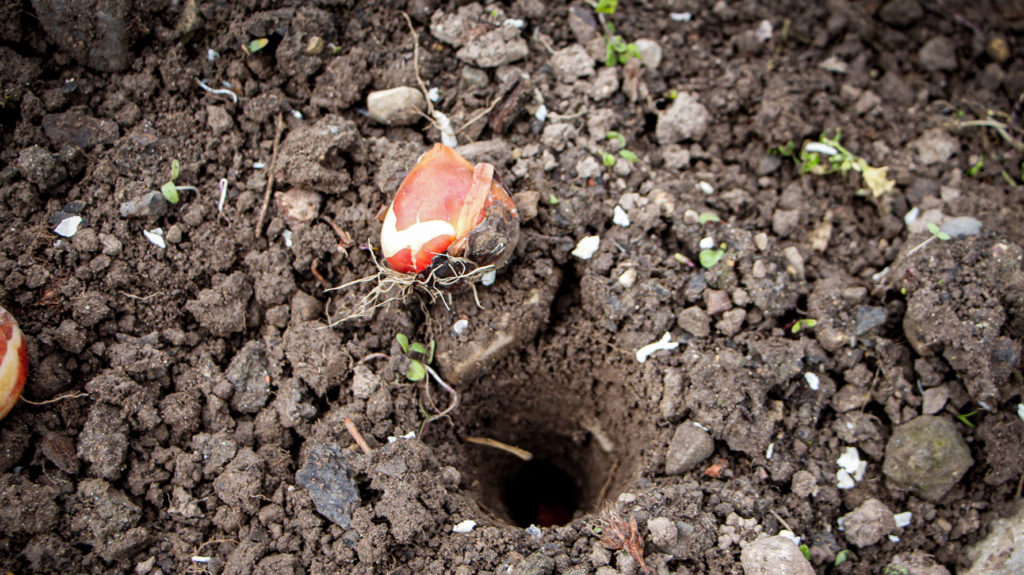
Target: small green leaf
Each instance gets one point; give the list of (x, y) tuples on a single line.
[(416, 371), (175, 169), (800, 324), (403, 341), (706, 217), (606, 6), (607, 160), (610, 58), (934, 229), (965, 418), (418, 348), (710, 258), (843, 556), (806, 551), (430, 353), (256, 45), (619, 138), (628, 155), (672, 94), (552, 199), (170, 192), (976, 168)]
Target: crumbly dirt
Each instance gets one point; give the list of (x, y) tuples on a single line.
[(184, 387)]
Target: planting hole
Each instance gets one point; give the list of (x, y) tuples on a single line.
[(586, 432)]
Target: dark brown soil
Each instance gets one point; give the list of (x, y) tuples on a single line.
[(180, 390)]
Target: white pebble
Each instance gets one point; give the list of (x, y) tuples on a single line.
[(680, 16), (665, 343), (287, 237), (820, 148), (68, 227), (1020, 411), (156, 236), (619, 217), (902, 519), (770, 451), (258, 165), (297, 114), (628, 278), (212, 54), (488, 278), (812, 381), (844, 480), (705, 188), (541, 114), (707, 243), (434, 94), (464, 526), (460, 326), (626, 497), (851, 463), (790, 535), (894, 538), (587, 247), (533, 531), (912, 215), (764, 31)]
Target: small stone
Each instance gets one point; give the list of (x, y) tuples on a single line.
[(40, 167), (695, 321), (588, 167), (664, 533), (716, 301), (759, 270), (868, 318), (774, 556), (326, 476), (150, 205), (604, 86), (298, 206), (558, 136), (761, 241), (795, 262), (498, 47), (572, 63), (915, 563), (218, 119), (690, 446), (937, 55), (685, 120), (936, 146), (868, 523), (998, 49), (650, 52), (402, 106), (1001, 552), (804, 484), (926, 455), (935, 399), (77, 129), (961, 227), (785, 222), (731, 322), (901, 13)]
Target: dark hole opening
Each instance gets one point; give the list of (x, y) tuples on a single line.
[(541, 493)]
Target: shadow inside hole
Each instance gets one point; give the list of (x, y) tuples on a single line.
[(540, 493)]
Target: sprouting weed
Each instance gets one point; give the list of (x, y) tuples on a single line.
[(617, 534)]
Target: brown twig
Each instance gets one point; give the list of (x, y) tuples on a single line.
[(488, 442), (416, 64), (70, 395), (608, 481), (358, 437), (270, 175)]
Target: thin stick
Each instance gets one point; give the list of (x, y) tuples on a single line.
[(607, 482), (488, 442), (479, 115), (781, 520), (140, 298), (270, 175), (70, 395), (354, 432), (416, 64), (1020, 485)]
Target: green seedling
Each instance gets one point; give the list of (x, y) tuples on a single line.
[(806, 551), (553, 200), (706, 217), (976, 168), (617, 138), (965, 418), (710, 258), (936, 234), (255, 45), (608, 160), (895, 570), (802, 324), (843, 556), (617, 50), (417, 369), (170, 189), (629, 156), (829, 156)]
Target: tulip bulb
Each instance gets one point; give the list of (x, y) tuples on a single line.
[(13, 362)]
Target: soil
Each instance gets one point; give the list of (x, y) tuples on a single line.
[(190, 399)]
